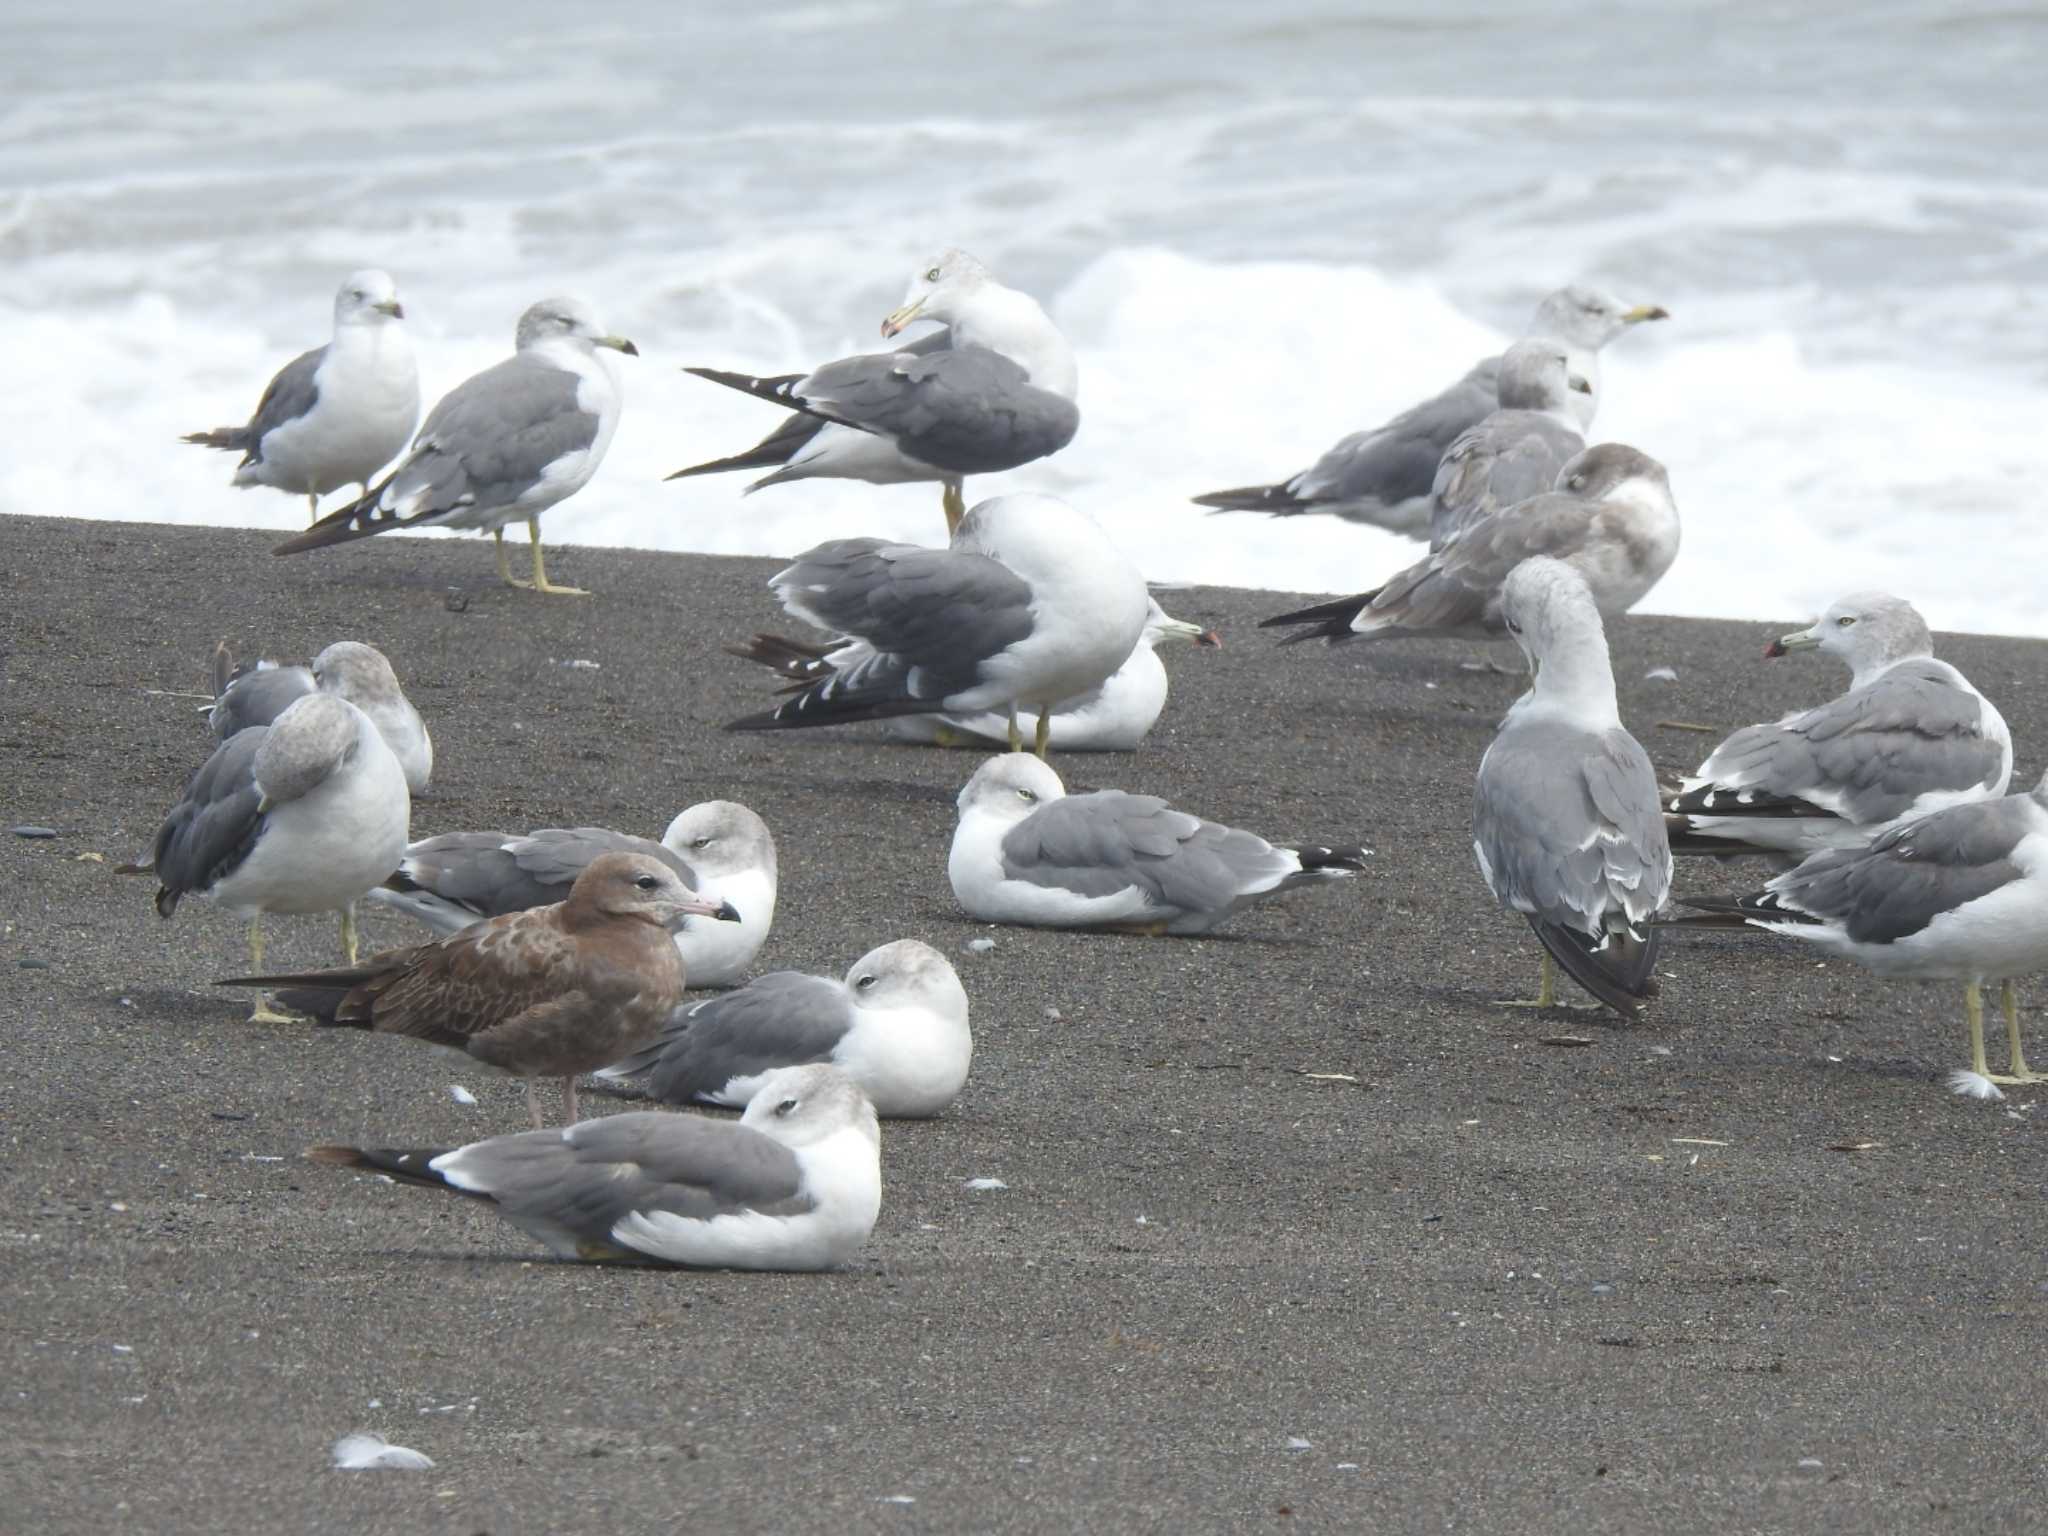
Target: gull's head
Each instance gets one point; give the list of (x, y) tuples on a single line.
[(357, 672), (936, 290), (1536, 375), (799, 1106), (1545, 603), (907, 974), (640, 887), (567, 321), (1161, 626), (1586, 317), (369, 297), (314, 736), (1609, 470), (1010, 787), (1865, 629), (721, 837)]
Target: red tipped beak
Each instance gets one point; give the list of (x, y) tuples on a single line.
[(1775, 648), (1210, 638)]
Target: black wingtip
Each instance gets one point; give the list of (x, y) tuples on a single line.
[(1621, 972), (1325, 621)]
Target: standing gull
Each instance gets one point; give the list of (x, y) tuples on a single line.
[(1112, 717), (1025, 851), (336, 415), (719, 848), (1566, 823), (303, 815), (794, 1184), (897, 1025), (1384, 475), (1959, 895), (1517, 451), (502, 446), (1911, 735), (1032, 603), (1611, 518), (549, 992), (247, 696), (992, 391)]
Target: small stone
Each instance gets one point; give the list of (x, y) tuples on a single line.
[(29, 964), (1053, 1014), (36, 832), (1296, 1443), (979, 946), (1603, 1289), (457, 600)]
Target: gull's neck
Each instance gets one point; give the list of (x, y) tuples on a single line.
[(1575, 682), (1012, 323)]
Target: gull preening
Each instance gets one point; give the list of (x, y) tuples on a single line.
[(1385, 475), (1958, 895), (794, 1184), (719, 848), (302, 815), (502, 446), (897, 1025), (1518, 450), (549, 992), (1911, 735), (256, 694), (1610, 517), (1025, 851), (1566, 823), (336, 415), (1031, 604), (992, 391)]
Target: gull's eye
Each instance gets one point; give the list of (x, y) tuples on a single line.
[(932, 276), (701, 842), (647, 882), (1845, 621), (1025, 794), (864, 983), (1576, 483), (1514, 628), (785, 1107)]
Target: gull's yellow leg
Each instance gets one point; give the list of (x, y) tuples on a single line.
[(955, 504), (2009, 996), (262, 1013), (348, 932), (1042, 737), (504, 571), (1546, 992), (312, 508), (1016, 736), (540, 582), (1973, 1010)]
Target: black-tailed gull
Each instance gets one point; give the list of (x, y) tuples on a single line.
[(1566, 823), (1911, 735), (257, 694), (1384, 475), (992, 391), (1032, 603), (719, 847), (549, 992), (302, 815), (1611, 518), (897, 1025), (1517, 451), (794, 1184), (502, 446), (1025, 851), (336, 415), (1113, 717), (1959, 895)]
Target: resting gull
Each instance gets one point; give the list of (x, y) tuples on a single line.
[(1384, 475), (1911, 735), (897, 1025), (503, 445), (994, 390), (794, 1184), (1032, 603), (1611, 518), (1517, 451), (1112, 717), (302, 815), (1025, 851), (548, 992), (336, 415), (1566, 823), (1958, 895), (250, 695), (720, 848)]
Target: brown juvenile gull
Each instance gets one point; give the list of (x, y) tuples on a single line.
[(794, 1184), (302, 815), (992, 391), (1911, 735), (336, 415), (549, 992), (1384, 475), (1566, 824), (502, 446), (256, 694)]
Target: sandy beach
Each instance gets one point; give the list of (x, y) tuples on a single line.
[(1298, 1227)]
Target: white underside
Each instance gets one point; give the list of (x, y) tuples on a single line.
[(326, 849), (1112, 718), (369, 403), (717, 954)]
